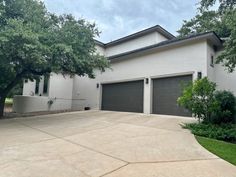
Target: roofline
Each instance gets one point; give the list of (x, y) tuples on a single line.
[(207, 35), (99, 43), (157, 28)]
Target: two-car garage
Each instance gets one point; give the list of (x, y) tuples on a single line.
[(129, 96)]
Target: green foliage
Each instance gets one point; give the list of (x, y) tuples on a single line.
[(17, 90), (205, 22), (9, 101), (228, 56), (227, 107), (224, 150), (199, 99), (207, 104), (222, 21), (225, 132), (223, 4), (34, 42)]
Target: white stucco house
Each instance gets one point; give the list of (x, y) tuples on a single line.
[(148, 68)]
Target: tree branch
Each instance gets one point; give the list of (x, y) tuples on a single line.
[(40, 73), (13, 83)]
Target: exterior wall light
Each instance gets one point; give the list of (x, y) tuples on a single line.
[(147, 81), (199, 75), (97, 85)]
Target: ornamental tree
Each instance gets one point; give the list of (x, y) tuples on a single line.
[(35, 42)]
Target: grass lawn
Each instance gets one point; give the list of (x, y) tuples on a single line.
[(224, 150), (9, 101)]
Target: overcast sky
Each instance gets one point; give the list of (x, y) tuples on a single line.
[(118, 18)]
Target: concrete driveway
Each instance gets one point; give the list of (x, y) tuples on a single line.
[(109, 144)]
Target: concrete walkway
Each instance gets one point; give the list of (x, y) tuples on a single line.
[(109, 144)]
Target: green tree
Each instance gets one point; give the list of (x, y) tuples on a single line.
[(34, 42), (199, 98), (17, 90), (222, 21)]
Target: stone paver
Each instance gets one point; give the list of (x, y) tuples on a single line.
[(103, 143)]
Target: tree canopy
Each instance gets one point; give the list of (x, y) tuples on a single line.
[(222, 21), (35, 42)]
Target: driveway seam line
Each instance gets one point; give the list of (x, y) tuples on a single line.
[(74, 143), (173, 161), (91, 149), (179, 131), (110, 172)]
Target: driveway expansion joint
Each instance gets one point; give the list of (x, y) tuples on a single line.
[(110, 172), (61, 138), (174, 161), (91, 149)]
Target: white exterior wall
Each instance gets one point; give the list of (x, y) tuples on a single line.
[(29, 88), (225, 80), (149, 39), (219, 74), (210, 69), (100, 50), (186, 59), (59, 91)]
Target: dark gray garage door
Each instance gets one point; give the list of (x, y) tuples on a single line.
[(125, 96), (165, 94)]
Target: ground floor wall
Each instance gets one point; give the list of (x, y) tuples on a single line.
[(58, 97), (25, 104), (79, 92), (224, 79)]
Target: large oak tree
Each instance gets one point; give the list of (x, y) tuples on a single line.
[(222, 21), (34, 42)]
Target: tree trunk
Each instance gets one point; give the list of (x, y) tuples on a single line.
[(2, 104)]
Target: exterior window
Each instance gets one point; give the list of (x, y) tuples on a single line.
[(37, 87), (45, 84), (212, 61)]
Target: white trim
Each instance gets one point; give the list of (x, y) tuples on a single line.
[(100, 97), (123, 80), (173, 75)]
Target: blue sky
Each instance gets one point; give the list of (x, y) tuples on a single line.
[(118, 18)]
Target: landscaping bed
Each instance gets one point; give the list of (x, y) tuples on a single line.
[(224, 132)]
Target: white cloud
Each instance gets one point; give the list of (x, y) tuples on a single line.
[(117, 18)]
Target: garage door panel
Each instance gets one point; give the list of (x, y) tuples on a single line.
[(165, 94), (126, 96)]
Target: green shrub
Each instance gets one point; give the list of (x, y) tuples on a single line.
[(225, 132), (226, 110), (199, 98), (207, 104)]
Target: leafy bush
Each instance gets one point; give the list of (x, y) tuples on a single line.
[(207, 104), (225, 132), (227, 107), (199, 98)]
